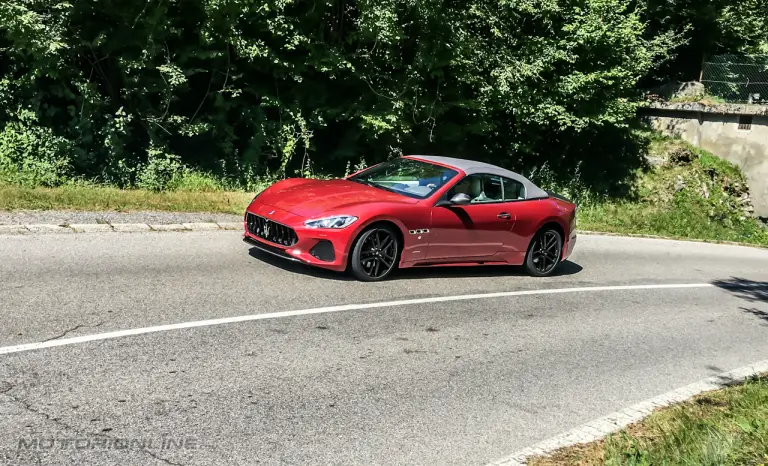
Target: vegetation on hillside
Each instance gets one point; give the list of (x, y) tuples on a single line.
[(709, 28), (724, 427), (221, 97), (685, 193), (234, 91)]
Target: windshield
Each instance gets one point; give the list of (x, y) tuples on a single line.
[(409, 177)]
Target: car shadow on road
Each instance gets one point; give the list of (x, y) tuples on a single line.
[(565, 268), (415, 273), (748, 290)]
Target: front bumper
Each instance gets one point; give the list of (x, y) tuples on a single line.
[(271, 250), (325, 248)]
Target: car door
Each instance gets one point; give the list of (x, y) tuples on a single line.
[(477, 230), (524, 212)]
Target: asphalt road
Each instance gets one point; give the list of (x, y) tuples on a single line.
[(459, 382)]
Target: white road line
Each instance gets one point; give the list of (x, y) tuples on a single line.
[(324, 310), (614, 422)]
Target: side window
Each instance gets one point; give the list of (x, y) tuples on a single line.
[(480, 188), (492, 190), (513, 190)]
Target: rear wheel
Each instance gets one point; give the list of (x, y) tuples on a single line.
[(375, 254), (544, 253)]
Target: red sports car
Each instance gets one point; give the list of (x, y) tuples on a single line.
[(414, 211)]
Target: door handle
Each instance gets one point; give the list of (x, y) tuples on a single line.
[(504, 215)]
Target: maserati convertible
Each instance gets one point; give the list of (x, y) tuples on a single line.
[(414, 211)]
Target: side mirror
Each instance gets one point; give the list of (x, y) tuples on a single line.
[(461, 199), (457, 199)]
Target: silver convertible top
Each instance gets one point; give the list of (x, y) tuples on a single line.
[(470, 167)]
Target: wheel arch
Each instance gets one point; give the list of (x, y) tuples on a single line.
[(392, 223), (557, 225)]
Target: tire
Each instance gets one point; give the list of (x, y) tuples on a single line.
[(544, 252), (375, 254)]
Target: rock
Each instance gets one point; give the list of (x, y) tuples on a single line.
[(705, 106), (689, 89), (679, 90), (681, 156), (679, 183), (705, 190)]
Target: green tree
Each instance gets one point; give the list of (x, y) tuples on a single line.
[(708, 27), (244, 88)]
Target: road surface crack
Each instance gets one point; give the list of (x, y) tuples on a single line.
[(64, 426), (28, 407), (160, 458), (68, 331)]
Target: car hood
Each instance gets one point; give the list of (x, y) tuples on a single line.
[(315, 198)]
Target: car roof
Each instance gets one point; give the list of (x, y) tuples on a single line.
[(471, 167)]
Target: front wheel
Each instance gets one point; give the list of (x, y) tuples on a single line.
[(544, 253), (375, 253)]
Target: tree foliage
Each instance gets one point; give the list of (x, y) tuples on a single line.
[(134, 91), (708, 28)]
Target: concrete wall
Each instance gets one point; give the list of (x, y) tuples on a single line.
[(719, 134)]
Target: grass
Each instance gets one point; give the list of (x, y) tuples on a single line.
[(706, 99), (96, 198), (690, 194), (685, 222), (720, 428)]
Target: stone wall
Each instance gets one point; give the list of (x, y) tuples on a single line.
[(717, 130)]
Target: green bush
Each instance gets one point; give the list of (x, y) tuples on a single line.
[(190, 180), (32, 155), (159, 171), (241, 89)]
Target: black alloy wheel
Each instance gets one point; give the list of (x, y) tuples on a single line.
[(375, 254), (544, 253)]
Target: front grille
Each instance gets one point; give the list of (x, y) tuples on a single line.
[(271, 231)]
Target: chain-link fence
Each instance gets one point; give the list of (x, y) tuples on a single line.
[(737, 78)]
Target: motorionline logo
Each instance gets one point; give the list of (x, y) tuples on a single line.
[(102, 443)]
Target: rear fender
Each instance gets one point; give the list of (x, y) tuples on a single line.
[(564, 226)]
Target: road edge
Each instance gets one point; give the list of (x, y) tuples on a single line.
[(614, 422), (118, 227), (669, 238), (21, 229)]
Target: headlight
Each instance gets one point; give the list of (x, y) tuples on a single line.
[(337, 221)]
